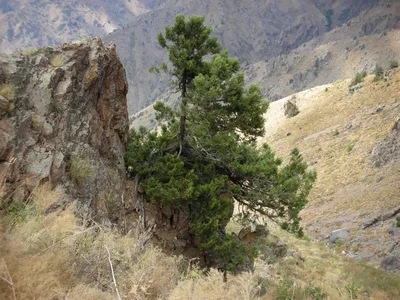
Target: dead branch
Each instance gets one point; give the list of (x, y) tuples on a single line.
[(112, 272), (9, 281)]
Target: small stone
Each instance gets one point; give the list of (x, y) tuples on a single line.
[(47, 129), (288, 134), (356, 240), (395, 231), (391, 263), (348, 127)]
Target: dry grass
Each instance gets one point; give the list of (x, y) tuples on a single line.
[(347, 184), (57, 61), (198, 286), (53, 257), (7, 91), (43, 196), (30, 51), (80, 170)]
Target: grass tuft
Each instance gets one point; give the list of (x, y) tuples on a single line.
[(30, 51), (80, 170), (7, 91), (57, 61)]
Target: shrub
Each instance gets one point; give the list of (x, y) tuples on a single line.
[(358, 78), (7, 91), (379, 74), (57, 61), (80, 170), (350, 147), (291, 108), (18, 213), (394, 64), (398, 221), (294, 111)]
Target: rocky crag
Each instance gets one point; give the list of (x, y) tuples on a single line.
[(64, 121)]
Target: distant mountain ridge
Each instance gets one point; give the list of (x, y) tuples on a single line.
[(34, 23), (251, 30), (258, 32)]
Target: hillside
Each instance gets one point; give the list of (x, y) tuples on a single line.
[(71, 226), (262, 35), (254, 32), (32, 24), (368, 41), (338, 133)]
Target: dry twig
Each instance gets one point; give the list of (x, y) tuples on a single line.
[(112, 272), (9, 281)]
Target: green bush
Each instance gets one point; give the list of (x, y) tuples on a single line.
[(358, 78), (394, 64), (398, 221), (350, 147), (18, 213), (294, 111), (379, 74)]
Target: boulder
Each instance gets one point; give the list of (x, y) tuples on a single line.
[(388, 150), (340, 234)]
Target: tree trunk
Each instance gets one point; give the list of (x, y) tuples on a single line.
[(182, 122)]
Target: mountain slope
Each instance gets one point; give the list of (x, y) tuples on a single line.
[(251, 30), (30, 23), (246, 28), (337, 132)]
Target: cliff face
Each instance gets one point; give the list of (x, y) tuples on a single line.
[(64, 120)]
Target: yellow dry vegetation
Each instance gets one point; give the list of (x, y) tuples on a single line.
[(52, 256), (57, 61), (336, 132), (7, 91)]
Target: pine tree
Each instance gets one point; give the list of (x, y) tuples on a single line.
[(187, 43), (214, 163)]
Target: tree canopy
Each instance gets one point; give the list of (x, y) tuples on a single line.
[(204, 159)]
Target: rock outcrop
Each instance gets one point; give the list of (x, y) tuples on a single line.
[(65, 121), (388, 150)]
